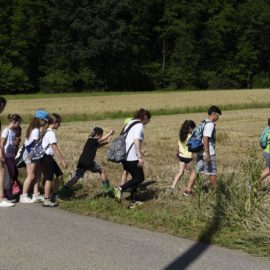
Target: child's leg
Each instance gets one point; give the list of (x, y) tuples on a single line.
[(30, 176), (47, 189), (56, 184), (180, 173), (192, 177), (2, 172), (37, 179), (124, 177), (72, 181), (265, 173)]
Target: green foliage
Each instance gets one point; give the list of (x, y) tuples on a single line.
[(62, 46)]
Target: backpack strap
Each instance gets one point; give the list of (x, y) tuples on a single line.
[(125, 132)]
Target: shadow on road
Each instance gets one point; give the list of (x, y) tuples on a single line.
[(204, 239)]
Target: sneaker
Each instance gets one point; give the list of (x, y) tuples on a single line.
[(49, 203), (24, 198), (37, 198), (187, 193), (135, 204), (6, 203), (117, 193)]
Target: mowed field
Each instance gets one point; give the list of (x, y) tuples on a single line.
[(98, 105), (238, 151)]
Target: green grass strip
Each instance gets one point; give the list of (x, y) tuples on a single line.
[(157, 112)]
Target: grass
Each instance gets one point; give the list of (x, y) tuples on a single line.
[(234, 223)]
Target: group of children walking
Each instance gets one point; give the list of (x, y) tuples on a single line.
[(40, 147)]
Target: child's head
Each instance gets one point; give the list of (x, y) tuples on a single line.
[(186, 128), (214, 112), (3, 103), (54, 120), (97, 132), (269, 122), (42, 117), (143, 115), (14, 120)]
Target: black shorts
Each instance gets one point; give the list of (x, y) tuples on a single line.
[(50, 167), (185, 160), (81, 169)]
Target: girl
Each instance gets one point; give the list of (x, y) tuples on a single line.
[(185, 157), (48, 163), (87, 161), (3, 201), (8, 143), (33, 137)]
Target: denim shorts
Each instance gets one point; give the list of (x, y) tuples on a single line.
[(207, 167), (267, 159)]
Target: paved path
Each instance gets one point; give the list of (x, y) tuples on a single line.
[(32, 237)]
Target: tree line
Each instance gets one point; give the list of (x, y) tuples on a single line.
[(62, 46)]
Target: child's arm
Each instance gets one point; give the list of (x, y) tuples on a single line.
[(59, 155), (2, 146), (104, 139)]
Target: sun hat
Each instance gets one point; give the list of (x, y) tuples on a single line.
[(41, 114)]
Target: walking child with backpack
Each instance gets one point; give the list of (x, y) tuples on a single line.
[(8, 143), (87, 161), (265, 145), (32, 155), (133, 136), (205, 139), (185, 157)]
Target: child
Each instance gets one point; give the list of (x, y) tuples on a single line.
[(8, 143), (266, 154), (33, 138), (3, 201), (48, 163), (86, 161), (184, 156)]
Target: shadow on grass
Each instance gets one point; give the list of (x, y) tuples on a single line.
[(204, 239)]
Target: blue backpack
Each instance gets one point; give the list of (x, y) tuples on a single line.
[(264, 141), (195, 143)]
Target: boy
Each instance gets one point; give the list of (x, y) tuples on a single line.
[(87, 163), (206, 159)]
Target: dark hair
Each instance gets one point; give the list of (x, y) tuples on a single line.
[(53, 118), (96, 131), (268, 121), (14, 117), (214, 109), (184, 130), (35, 123), (3, 101), (141, 114)]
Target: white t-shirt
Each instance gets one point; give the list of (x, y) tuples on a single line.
[(10, 136), (210, 131), (136, 132), (47, 141), (34, 136)]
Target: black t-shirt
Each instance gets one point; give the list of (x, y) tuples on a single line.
[(88, 155)]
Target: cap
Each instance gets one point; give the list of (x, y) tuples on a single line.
[(41, 114)]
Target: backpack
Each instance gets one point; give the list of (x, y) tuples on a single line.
[(195, 143), (19, 157), (117, 151), (264, 141)]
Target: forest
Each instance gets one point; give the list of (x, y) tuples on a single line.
[(133, 45)]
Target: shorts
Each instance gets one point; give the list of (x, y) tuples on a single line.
[(267, 159), (95, 168), (50, 167), (184, 160), (26, 158), (207, 167)]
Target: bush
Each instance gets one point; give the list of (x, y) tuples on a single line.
[(12, 79), (261, 80)]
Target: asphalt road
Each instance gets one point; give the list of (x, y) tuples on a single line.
[(32, 237)]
